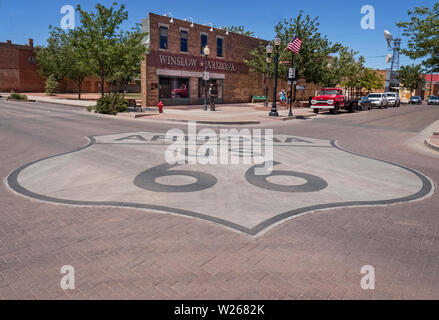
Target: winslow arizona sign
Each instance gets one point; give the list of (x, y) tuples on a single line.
[(193, 63), (130, 170)]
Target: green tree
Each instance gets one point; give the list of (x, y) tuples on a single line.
[(343, 69), (51, 59), (79, 65), (358, 76), (371, 80), (423, 33), (313, 58), (411, 77), (51, 85), (63, 57), (240, 30), (105, 44), (128, 67)]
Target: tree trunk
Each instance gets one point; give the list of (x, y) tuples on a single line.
[(79, 89), (102, 85)]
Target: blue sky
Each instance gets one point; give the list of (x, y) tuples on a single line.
[(339, 19)]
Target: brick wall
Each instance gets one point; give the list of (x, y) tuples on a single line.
[(19, 72), (18, 68)]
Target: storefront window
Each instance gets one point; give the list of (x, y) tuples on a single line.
[(163, 38), (183, 41), (202, 88), (174, 88)]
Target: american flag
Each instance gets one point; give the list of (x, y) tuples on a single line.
[(295, 45)]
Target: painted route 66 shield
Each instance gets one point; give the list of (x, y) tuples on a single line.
[(129, 170)]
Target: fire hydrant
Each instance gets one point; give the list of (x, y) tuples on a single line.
[(160, 105)]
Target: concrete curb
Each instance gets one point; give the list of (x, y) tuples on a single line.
[(235, 123), (18, 100), (431, 145), (64, 103)]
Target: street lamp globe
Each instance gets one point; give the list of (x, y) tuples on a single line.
[(389, 38), (277, 41), (269, 49), (206, 51)]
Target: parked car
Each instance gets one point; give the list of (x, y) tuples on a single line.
[(433, 100), (393, 99), (334, 100), (415, 100), (365, 103), (378, 100)]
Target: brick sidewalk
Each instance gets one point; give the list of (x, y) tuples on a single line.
[(127, 253), (245, 113)]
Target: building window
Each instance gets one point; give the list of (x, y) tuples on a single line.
[(202, 88), (164, 38), (183, 41), (203, 42), (219, 47), (171, 88)]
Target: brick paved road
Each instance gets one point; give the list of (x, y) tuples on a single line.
[(125, 253)]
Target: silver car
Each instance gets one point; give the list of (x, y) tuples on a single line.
[(393, 99), (378, 100)]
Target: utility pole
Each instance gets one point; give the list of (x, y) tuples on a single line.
[(293, 94)]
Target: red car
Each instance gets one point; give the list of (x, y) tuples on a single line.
[(180, 92)]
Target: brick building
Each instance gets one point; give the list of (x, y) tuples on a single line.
[(173, 70), (431, 86), (19, 72), (18, 68)]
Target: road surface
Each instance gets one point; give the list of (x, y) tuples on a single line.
[(225, 249)]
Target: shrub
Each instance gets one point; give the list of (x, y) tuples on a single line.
[(112, 104), (51, 85), (17, 96), (91, 108)]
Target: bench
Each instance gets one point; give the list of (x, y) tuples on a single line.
[(258, 98)]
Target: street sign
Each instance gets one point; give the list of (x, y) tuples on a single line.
[(206, 76), (292, 73), (300, 88), (285, 62)]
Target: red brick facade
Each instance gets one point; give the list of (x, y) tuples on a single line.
[(172, 69), (19, 72), (18, 68)]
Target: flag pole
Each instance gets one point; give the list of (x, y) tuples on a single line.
[(290, 114)]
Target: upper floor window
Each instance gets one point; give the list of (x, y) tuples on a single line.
[(219, 47), (163, 38), (203, 42), (183, 40)]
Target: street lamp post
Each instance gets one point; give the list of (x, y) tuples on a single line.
[(269, 49), (206, 52), (273, 112)]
